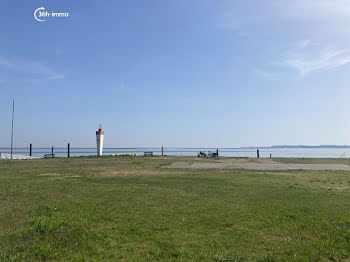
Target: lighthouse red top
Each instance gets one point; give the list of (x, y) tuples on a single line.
[(100, 131)]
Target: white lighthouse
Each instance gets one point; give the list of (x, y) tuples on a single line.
[(99, 140)]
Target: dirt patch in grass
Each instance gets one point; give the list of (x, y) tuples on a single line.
[(254, 164), (58, 175)]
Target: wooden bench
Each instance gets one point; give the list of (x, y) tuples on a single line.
[(148, 153)]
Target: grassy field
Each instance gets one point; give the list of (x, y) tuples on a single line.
[(134, 209)]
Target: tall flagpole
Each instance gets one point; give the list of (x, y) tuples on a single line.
[(13, 114)]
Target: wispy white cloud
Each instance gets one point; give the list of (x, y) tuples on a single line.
[(330, 10), (333, 14), (325, 24), (327, 60), (264, 74), (302, 44), (19, 69), (307, 57)]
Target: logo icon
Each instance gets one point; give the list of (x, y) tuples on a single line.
[(36, 14)]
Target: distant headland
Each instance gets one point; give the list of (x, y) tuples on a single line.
[(298, 146)]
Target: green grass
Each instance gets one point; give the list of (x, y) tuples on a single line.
[(133, 209)]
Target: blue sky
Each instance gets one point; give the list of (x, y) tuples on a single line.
[(176, 73)]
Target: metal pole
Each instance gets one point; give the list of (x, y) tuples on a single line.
[(162, 151), (68, 149), (257, 153), (52, 150), (13, 114), (30, 150)]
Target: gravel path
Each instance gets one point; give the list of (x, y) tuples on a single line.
[(258, 164)]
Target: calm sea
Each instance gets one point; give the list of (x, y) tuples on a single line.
[(227, 152)]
